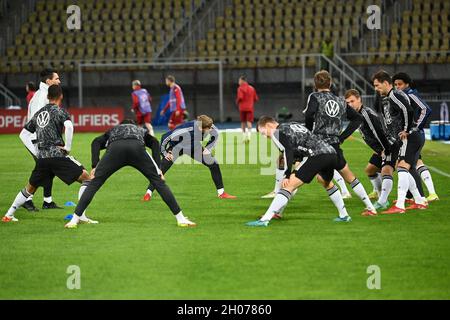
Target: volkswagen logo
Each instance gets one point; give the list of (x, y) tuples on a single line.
[(332, 108), (42, 119)]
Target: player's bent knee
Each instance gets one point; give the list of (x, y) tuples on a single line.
[(30, 188)]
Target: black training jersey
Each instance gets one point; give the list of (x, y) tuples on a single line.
[(324, 114), (126, 132), (373, 132), (297, 142), (48, 124), (397, 113)]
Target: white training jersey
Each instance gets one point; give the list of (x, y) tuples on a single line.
[(38, 101)]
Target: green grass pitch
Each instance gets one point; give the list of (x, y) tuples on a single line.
[(138, 252)]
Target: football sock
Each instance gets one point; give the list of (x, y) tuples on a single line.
[(180, 217), (414, 191), (358, 188), (81, 191), (403, 186), (220, 191), (376, 182), (340, 182), (20, 199), (48, 199), (426, 178), (386, 187), (30, 198), (149, 192), (336, 198), (279, 175), (279, 202)]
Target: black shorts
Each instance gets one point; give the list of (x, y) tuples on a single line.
[(376, 160), (340, 161), (390, 159), (407, 150), (323, 164), (67, 169)]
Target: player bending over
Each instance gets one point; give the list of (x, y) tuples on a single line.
[(398, 118), (187, 139), (422, 112), (51, 152), (126, 147), (296, 141), (375, 136)]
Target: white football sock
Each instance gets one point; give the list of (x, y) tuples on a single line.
[(81, 191), (279, 175), (403, 186), (338, 201), (180, 217), (386, 188), (376, 182), (75, 219), (414, 191), (340, 182), (279, 202), (358, 188), (149, 192), (30, 198), (220, 191), (426, 178), (20, 199)]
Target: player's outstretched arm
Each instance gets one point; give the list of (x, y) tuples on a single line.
[(98, 144), (68, 134)]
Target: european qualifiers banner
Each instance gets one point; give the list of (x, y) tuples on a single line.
[(84, 120)]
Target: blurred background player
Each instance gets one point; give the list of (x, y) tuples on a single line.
[(51, 152), (31, 90), (403, 81), (246, 98), (187, 139), (39, 100), (176, 103), (142, 106)]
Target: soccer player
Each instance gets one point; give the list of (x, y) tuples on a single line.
[(296, 141), (126, 147), (246, 98), (142, 105), (398, 118), (176, 103), (38, 101), (31, 90), (51, 152), (324, 116), (403, 81), (374, 135), (187, 139)]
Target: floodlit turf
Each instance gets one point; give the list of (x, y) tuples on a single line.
[(138, 252)]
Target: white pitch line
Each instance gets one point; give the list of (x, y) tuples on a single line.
[(445, 174)]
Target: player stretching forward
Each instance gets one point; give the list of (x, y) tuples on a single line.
[(126, 147), (324, 115), (403, 81), (375, 137), (398, 118), (187, 139), (176, 103), (52, 152), (296, 141)]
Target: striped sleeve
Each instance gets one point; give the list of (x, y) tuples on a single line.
[(401, 100)]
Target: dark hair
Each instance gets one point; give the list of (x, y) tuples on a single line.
[(352, 92), (243, 78), (128, 121), (31, 86), (47, 74), (263, 121), (54, 92), (322, 80), (402, 76), (170, 78), (382, 76)]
